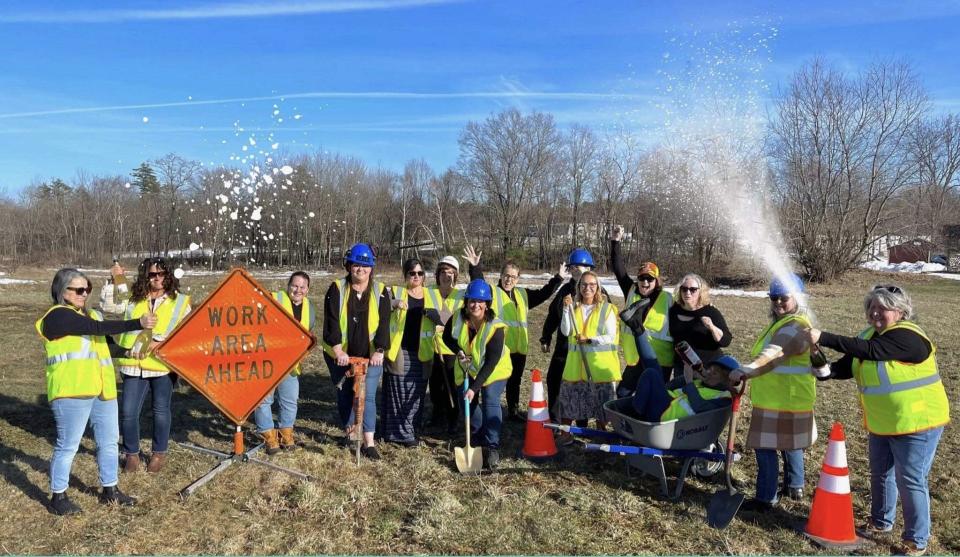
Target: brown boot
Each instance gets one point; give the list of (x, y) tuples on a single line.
[(131, 463), (287, 441), (270, 440), (157, 460)]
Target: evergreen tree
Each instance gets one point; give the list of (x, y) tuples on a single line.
[(146, 180)]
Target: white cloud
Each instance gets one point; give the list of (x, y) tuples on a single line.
[(215, 11)]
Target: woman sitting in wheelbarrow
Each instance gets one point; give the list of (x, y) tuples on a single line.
[(692, 393)]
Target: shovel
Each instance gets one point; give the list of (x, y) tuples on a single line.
[(469, 460), (725, 504)]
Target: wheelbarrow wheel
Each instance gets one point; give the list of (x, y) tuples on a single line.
[(704, 468)]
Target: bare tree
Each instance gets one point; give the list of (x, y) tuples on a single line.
[(839, 146)]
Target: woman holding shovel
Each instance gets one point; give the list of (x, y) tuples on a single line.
[(478, 338), (592, 369)]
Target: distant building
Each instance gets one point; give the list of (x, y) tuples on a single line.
[(913, 251)]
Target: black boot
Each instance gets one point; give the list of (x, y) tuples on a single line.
[(61, 505), (493, 458), (113, 494), (632, 315)]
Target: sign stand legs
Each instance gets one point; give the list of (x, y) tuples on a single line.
[(227, 460)]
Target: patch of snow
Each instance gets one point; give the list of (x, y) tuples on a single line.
[(918, 267), (16, 281)]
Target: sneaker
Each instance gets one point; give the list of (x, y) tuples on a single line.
[(758, 506), (632, 315), (370, 452), (795, 493), (909, 547), (113, 494), (61, 505), (493, 459), (870, 530)]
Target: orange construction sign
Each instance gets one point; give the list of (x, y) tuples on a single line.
[(236, 346)]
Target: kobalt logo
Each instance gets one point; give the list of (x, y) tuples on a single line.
[(684, 432)]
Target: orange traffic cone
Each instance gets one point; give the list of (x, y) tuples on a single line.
[(538, 444), (830, 524)]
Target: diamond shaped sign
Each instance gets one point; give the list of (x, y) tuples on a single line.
[(236, 346)]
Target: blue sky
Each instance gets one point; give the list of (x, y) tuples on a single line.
[(103, 86)]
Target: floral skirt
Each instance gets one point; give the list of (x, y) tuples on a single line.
[(580, 401)]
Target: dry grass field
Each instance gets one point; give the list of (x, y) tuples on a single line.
[(413, 500)]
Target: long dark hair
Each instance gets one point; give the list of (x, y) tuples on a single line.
[(141, 286)]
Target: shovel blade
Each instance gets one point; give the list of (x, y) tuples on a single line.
[(723, 507), (469, 460)]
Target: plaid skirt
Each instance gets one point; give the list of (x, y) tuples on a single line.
[(580, 401), (773, 429)]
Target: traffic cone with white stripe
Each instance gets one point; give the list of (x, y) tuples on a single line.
[(538, 443), (830, 524)]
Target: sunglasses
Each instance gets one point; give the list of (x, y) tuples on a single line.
[(415, 274), (780, 298), (889, 288), (80, 290), (689, 289), (156, 274), (646, 279)]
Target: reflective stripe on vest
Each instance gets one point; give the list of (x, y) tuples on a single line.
[(476, 348), (657, 326), (398, 320), (603, 359), (78, 365), (169, 313), (897, 397), (789, 387), (307, 319)]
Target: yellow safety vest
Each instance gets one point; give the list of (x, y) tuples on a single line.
[(680, 405), (398, 320), (603, 359), (373, 314), (656, 324), (477, 350), (169, 314), (512, 310), (78, 366), (897, 397), (308, 315), (432, 299), (789, 387)]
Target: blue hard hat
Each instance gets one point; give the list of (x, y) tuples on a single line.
[(360, 254), (580, 256), (785, 285), (728, 362), (478, 289)]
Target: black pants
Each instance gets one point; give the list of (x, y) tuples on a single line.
[(555, 377), (442, 391), (519, 361)]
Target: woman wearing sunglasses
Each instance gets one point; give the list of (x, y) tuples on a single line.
[(408, 359), (693, 319), (155, 291), (905, 409), (783, 391), (81, 386)]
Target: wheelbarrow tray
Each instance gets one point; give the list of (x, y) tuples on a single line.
[(691, 433)]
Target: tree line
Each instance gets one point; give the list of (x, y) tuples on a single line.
[(844, 158)]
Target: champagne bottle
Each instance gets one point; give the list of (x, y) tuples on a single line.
[(819, 365), (142, 342), (121, 289), (689, 356)]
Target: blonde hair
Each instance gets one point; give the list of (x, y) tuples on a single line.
[(600, 296), (704, 290)]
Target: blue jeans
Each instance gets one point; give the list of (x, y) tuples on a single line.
[(286, 393), (900, 464), (768, 472), (71, 416), (486, 416), (651, 398), (131, 402), (345, 394), (648, 358)]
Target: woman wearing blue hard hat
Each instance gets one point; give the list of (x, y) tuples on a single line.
[(578, 262), (356, 323), (783, 391), (478, 338)]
